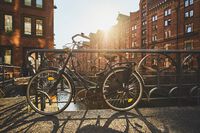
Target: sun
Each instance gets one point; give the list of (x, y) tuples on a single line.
[(103, 18)]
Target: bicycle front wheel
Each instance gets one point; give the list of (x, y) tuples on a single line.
[(47, 102), (122, 90)]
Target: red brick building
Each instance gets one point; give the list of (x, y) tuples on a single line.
[(158, 24), (24, 25), (170, 24)]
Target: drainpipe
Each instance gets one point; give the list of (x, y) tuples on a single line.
[(177, 24)]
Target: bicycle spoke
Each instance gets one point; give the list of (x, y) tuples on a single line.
[(42, 100), (127, 91)]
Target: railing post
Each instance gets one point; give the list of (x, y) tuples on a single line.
[(178, 73), (158, 71), (3, 76), (198, 78), (13, 74)]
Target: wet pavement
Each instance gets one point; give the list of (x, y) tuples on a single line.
[(14, 117)]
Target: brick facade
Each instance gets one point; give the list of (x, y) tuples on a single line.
[(16, 40), (170, 23)]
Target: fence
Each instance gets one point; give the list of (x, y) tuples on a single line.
[(165, 73)]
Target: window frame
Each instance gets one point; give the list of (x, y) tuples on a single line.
[(188, 42), (168, 34), (188, 3), (43, 26), (4, 22), (23, 20), (3, 49), (187, 26), (8, 2), (39, 7), (167, 22), (144, 23), (28, 5), (189, 14), (154, 18), (167, 12), (154, 38)]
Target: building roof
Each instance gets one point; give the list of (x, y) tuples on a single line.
[(122, 17)]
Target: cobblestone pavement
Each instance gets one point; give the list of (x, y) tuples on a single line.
[(15, 118)]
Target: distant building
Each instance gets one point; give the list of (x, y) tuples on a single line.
[(170, 24), (25, 25), (116, 38), (158, 24)]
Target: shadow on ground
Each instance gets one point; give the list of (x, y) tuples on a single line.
[(15, 118)]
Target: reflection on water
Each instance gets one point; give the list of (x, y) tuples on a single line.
[(63, 96), (75, 107)]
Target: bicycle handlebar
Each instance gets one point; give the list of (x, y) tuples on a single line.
[(81, 35)]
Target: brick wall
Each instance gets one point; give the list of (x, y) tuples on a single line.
[(17, 40)]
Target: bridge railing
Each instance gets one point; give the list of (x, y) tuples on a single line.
[(165, 73), (7, 75)]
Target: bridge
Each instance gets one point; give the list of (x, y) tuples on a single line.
[(166, 73)]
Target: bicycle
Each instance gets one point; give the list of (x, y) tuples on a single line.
[(51, 90)]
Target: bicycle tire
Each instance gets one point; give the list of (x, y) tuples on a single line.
[(120, 94), (39, 97)]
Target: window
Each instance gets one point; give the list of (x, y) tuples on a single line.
[(143, 32), (27, 2), (155, 27), (188, 28), (134, 27), (144, 23), (133, 55), (39, 3), (144, 41), (39, 27), (144, 14), (167, 63), (154, 18), (27, 26), (127, 55), (8, 1), (133, 44), (8, 23), (133, 35), (168, 22), (166, 47), (186, 14), (144, 6), (167, 12), (189, 14), (188, 2), (154, 38), (5, 55), (191, 2), (168, 34), (188, 45)]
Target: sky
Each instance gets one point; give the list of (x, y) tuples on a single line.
[(77, 16)]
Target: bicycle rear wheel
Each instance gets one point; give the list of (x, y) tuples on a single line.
[(47, 102), (122, 90)]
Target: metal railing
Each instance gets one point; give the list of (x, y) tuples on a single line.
[(7, 75), (165, 73)]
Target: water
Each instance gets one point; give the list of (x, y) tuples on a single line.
[(63, 96)]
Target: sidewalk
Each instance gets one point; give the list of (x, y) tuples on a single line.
[(14, 118)]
